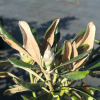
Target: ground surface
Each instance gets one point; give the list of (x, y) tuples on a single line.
[(74, 15)]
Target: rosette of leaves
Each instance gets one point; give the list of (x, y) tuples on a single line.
[(69, 66)]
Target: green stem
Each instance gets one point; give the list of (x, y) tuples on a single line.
[(63, 90), (32, 81)]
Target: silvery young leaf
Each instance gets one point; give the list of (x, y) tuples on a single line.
[(75, 59), (77, 75), (29, 86), (45, 96), (26, 97), (20, 63)]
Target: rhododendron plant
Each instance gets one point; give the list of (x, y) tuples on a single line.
[(51, 69)]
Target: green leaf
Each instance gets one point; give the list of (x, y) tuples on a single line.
[(57, 35), (87, 94), (30, 71), (75, 59), (97, 41), (19, 63), (26, 97), (95, 51), (77, 75), (58, 53), (29, 86), (45, 96), (83, 47), (93, 65)]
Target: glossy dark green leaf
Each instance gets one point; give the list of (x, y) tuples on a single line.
[(87, 94), (45, 96), (95, 51), (58, 53), (57, 35), (26, 97), (93, 65), (74, 59), (29, 86), (77, 75), (95, 58), (97, 41), (20, 63)]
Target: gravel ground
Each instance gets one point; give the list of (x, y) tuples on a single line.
[(74, 15)]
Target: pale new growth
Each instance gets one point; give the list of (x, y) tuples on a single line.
[(49, 57)]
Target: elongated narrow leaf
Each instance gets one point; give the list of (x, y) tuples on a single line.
[(58, 53), (87, 94), (74, 54), (14, 90), (74, 59), (49, 37), (23, 64), (57, 35), (26, 97), (82, 47), (97, 50), (45, 96), (30, 71), (29, 86), (6, 74), (97, 41), (77, 75), (81, 32), (11, 41), (89, 36), (67, 53), (88, 39), (78, 39), (93, 65), (29, 42)]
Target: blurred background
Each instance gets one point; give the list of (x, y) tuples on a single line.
[(39, 14)]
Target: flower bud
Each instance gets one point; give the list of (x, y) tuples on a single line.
[(49, 57)]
